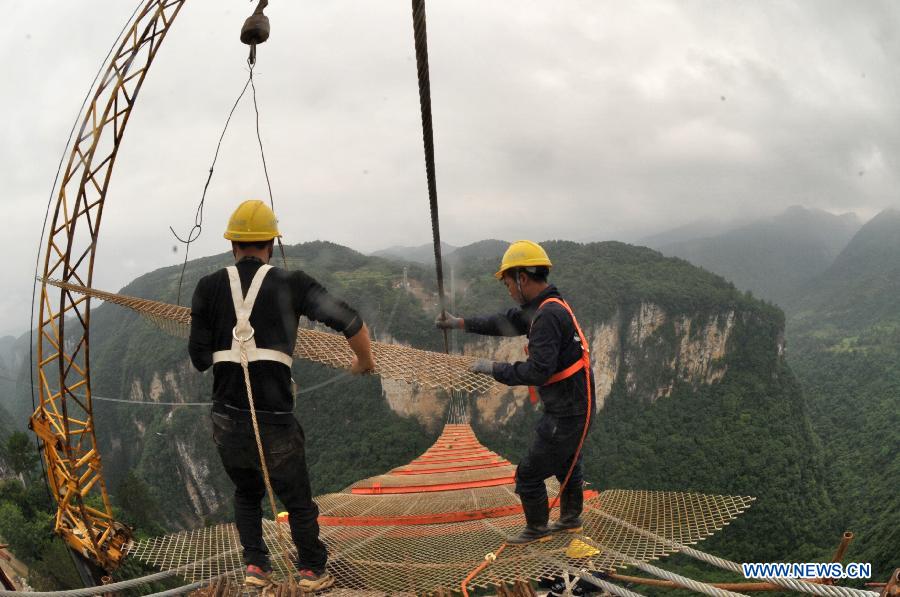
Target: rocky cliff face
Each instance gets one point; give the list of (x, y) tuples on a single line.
[(649, 349)]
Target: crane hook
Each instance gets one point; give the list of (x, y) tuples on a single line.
[(256, 29)]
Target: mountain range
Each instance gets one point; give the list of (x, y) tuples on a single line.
[(702, 387), (772, 257)]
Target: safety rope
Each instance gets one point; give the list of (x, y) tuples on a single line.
[(575, 457), (245, 365), (421, 39)]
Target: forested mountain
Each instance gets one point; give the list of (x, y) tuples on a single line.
[(695, 391), (861, 286), (844, 333), (775, 256), (705, 228), (452, 256), (419, 254)]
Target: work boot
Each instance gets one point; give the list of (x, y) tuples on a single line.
[(571, 503), (257, 577), (310, 580), (536, 516)]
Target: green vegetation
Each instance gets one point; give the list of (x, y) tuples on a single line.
[(844, 333), (26, 521), (746, 435), (749, 434)]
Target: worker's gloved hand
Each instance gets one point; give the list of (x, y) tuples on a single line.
[(482, 366), (446, 321), (361, 368)]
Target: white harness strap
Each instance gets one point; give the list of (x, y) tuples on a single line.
[(243, 307)]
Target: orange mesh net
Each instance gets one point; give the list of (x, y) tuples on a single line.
[(430, 538)]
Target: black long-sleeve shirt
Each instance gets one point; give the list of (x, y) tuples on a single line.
[(283, 297), (553, 345)]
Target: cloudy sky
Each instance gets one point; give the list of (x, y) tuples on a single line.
[(584, 120)]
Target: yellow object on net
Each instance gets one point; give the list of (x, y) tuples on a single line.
[(579, 549)]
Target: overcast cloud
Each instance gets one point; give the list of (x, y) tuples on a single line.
[(584, 120)]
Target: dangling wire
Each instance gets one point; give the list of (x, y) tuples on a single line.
[(197, 228), (251, 63), (194, 233)]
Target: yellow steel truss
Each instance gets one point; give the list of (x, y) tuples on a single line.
[(64, 419)]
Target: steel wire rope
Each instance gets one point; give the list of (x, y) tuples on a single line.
[(420, 34), (798, 585), (607, 586), (694, 585), (421, 42), (120, 585)]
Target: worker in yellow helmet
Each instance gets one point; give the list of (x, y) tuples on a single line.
[(265, 303), (558, 365)]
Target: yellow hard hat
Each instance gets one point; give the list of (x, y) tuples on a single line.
[(253, 221), (523, 253)]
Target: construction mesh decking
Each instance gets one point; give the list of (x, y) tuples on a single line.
[(422, 367), (431, 537)]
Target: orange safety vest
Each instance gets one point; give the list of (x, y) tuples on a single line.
[(583, 363)]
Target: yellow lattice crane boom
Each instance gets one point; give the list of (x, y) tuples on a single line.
[(63, 420)]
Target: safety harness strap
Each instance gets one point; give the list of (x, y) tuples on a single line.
[(582, 363), (243, 307)]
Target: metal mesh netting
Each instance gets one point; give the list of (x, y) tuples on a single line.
[(417, 559), (412, 365), (429, 540), (424, 526)]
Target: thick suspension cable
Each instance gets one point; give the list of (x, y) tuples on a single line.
[(421, 38), (798, 585)]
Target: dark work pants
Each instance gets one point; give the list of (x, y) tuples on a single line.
[(551, 453), (286, 460)]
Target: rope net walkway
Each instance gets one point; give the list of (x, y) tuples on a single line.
[(424, 526), (421, 367)]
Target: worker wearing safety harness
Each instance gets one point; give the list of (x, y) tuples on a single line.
[(251, 311), (558, 365)]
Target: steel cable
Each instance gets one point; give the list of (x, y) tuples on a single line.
[(421, 41), (798, 585)]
